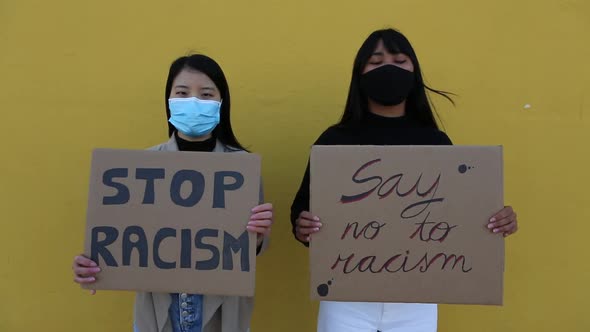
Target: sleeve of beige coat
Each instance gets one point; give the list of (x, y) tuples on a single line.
[(144, 313), (266, 239)]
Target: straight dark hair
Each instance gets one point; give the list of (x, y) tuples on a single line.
[(204, 64), (418, 106)]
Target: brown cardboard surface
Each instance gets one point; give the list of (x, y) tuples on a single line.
[(192, 214), (407, 224)]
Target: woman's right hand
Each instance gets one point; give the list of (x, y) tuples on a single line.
[(85, 271), (306, 224)]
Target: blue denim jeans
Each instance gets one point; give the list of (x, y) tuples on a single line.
[(186, 312)]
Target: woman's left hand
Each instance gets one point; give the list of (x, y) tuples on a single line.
[(504, 222), (261, 221)]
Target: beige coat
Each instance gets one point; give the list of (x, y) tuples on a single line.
[(220, 313)]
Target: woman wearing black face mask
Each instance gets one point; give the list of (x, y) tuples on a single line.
[(387, 105)]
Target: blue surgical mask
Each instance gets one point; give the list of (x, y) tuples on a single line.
[(194, 117)]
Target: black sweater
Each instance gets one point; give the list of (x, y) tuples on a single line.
[(207, 145), (373, 130)]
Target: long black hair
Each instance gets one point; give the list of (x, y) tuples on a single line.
[(418, 106), (199, 62)]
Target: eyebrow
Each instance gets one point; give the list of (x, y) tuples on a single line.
[(186, 87), (377, 53)]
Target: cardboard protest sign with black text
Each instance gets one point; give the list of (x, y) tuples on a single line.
[(173, 221)]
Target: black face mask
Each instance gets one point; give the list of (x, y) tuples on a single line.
[(387, 85)]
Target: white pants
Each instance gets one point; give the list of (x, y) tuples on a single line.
[(373, 317)]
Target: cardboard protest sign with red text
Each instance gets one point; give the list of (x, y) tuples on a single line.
[(407, 224), (173, 221)]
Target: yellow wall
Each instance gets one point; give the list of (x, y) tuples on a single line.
[(75, 75)]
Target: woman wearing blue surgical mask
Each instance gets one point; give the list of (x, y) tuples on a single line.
[(198, 113), (387, 105)]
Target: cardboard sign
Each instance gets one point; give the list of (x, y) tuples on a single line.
[(173, 221), (407, 224)]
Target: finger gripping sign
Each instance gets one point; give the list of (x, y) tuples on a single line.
[(407, 224), (173, 221)]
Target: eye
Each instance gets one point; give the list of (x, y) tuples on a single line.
[(376, 59), (400, 62), (181, 93), (206, 96)]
